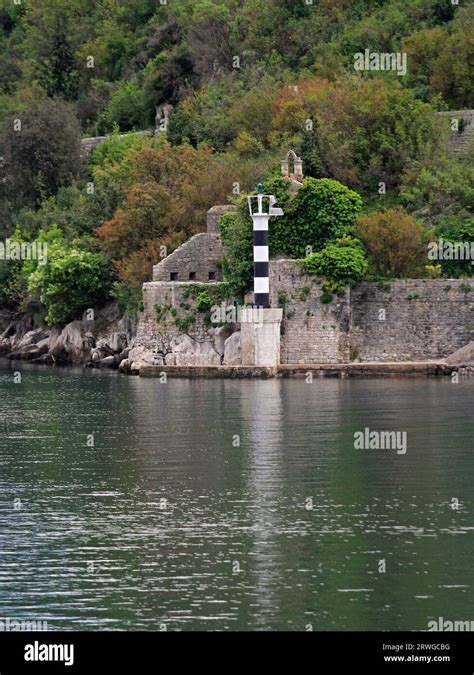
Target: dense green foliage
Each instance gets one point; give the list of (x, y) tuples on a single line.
[(395, 242), (71, 281), (458, 232), (342, 262), (322, 210), (40, 149), (276, 74)]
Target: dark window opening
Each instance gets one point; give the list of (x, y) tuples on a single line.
[(192, 276), (212, 276), (173, 276)]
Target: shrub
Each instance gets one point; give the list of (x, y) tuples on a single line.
[(183, 324), (326, 298), (394, 241), (204, 302), (322, 210), (342, 262), (72, 280), (125, 109), (458, 231)]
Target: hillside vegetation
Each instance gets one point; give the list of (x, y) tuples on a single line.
[(247, 79)]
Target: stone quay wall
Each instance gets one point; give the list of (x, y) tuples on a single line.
[(401, 320), (158, 326), (196, 343), (395, 321), (411, 319), (312, 331)]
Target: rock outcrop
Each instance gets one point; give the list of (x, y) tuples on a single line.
[(102, 342), (183, 350), (463, 356), (109, 341), (232, 350)]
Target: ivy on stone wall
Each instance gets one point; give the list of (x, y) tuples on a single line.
[(318, 212)]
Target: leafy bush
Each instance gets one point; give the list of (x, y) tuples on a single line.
[(395, 243), (183, 324), (457, 230), (204, 302), (322, 210), (72, 280), (342, 262), (126, 109)]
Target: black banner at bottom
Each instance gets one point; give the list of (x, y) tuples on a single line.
[(82, 652)]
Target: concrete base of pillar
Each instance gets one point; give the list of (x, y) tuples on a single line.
[(260, 336)]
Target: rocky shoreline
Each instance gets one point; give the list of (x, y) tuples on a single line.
[(110, 341), (104, 342)]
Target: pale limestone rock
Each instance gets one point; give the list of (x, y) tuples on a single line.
[(141, 356), (107, 362), (75, 343), (462, 356), (189, 352), (31, 337), (170, 359), (232, 350), (207, 355), (184, 350)]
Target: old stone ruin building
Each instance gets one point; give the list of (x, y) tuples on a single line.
[(402, 320)]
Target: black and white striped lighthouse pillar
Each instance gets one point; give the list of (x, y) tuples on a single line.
[(260, 325), (261, 209)]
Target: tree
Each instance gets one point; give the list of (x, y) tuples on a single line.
[(252, 114), (142, 217), (126, 109), (440, 185), (72, 280), (41, 149), (423, 48), (322, 210), (342, 262), (211, 56), (395, 243), (453, 69), (136, 268), (168, 78), (52, 35)]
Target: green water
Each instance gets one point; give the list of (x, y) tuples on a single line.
[(191, 507)]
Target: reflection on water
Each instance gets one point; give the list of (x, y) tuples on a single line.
[(212, 504)]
